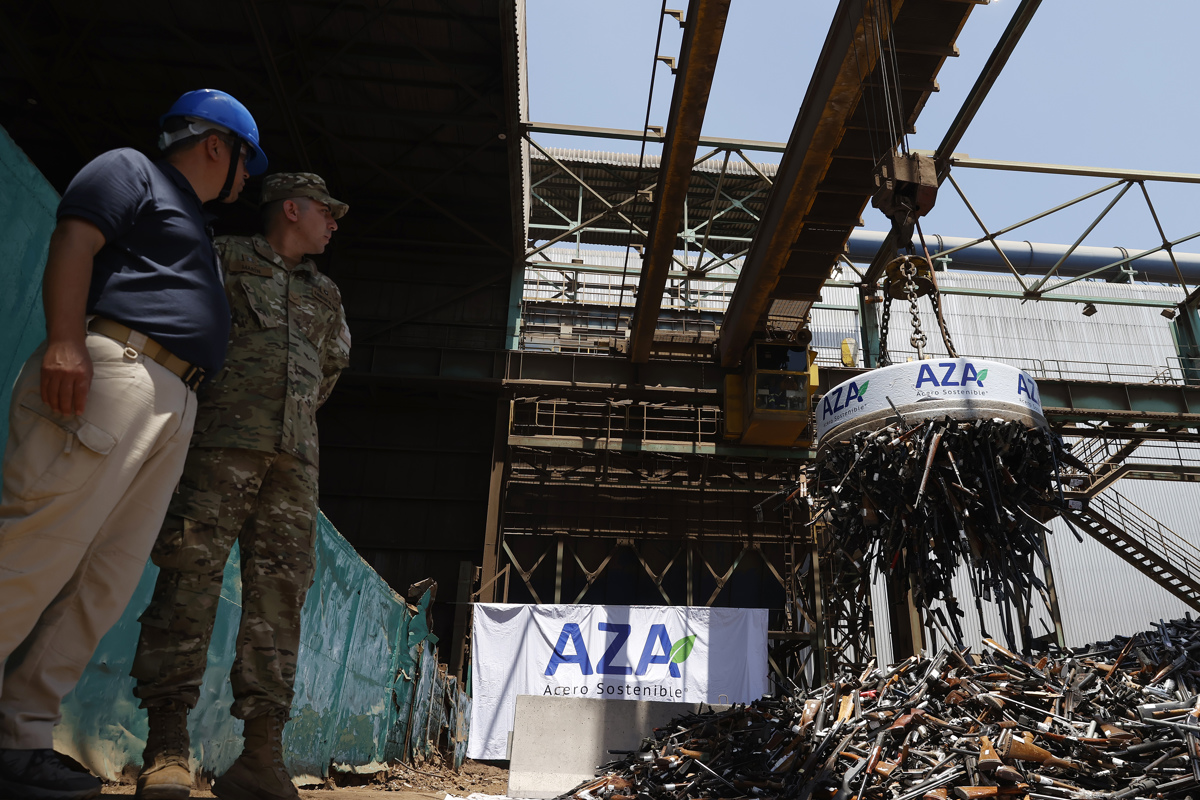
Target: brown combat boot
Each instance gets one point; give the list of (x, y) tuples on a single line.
[(259, 773), (166, 771)]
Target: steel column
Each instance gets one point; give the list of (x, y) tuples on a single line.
[(462, 618), (493, 535)]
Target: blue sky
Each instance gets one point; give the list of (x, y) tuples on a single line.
[(1105, 83)]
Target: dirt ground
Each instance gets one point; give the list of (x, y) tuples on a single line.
[(400, 781), (315, 794)]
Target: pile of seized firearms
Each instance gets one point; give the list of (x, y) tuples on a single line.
[(1113, 721), (915, 500)]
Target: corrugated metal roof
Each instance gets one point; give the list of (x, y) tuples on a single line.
[(651, 162)]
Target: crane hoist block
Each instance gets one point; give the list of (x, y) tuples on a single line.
[(906, 189)]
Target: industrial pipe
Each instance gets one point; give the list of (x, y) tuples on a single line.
[(1035, 258)]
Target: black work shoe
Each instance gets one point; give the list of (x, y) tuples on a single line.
[(44, 775)]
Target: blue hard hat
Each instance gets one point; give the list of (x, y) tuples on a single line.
[(224, 110)]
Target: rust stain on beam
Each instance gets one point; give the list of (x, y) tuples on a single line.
[(834, 145), (847, 58), (697, 64)]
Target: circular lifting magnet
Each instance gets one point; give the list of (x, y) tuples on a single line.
[(900, 271), (959, 388)]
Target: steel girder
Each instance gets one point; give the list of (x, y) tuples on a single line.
[(806, 226), (697, 65)]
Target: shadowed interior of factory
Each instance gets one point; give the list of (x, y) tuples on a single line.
[(584, 374)]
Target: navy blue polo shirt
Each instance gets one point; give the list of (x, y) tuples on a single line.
[(158, 271)]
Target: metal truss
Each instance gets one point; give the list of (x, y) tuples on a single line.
[(1125, 180), (609, 494), (568, 568), (579, 197), (604, 525), (573, 199), (586, 527)]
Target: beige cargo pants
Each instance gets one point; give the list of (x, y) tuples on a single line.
[(82, 502)]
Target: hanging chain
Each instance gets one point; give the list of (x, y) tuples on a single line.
[(885, 358), (935, 297), (902, 284), (935, 300), (918, 339)]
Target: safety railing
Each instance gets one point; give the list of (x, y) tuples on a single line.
[(1174, 372), (1094, 451), (1158, 452), (1176, 550), (623, 421)]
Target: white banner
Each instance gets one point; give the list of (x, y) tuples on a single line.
[(668, 653)]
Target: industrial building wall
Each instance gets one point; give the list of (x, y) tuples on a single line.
[(1099, 594), (1124, 342)]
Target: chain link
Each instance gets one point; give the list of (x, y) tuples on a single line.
[(918, 339), (935, 300), (885, 358)]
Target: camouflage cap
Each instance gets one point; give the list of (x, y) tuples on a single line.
[(285, 185)]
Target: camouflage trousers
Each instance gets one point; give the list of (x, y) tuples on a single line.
[(267, 503)]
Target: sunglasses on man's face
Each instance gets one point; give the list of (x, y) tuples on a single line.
[(243, 149)]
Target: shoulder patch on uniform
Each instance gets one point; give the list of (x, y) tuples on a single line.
[(246, 265)]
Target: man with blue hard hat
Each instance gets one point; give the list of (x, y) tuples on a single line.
[(102, 412)]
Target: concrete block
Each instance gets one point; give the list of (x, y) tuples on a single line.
[(557, 742)]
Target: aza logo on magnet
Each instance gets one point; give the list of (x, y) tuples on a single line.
[(947, 375), (841, 397)]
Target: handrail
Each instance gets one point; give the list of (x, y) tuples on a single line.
[(1174, 372), (1173, 548)]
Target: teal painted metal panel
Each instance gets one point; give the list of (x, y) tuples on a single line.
[(368, 686), (27, 206)]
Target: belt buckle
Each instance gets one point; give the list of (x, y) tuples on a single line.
[(193, 377)]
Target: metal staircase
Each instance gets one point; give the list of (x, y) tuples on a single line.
[(1104, 458), (1155, 550)]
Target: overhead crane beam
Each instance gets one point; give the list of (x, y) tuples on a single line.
[(828, 105), (697, 64), (805, 226)]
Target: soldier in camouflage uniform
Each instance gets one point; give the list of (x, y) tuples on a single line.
[(251, 478)]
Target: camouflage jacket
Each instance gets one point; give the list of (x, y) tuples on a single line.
[(288, 344)]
